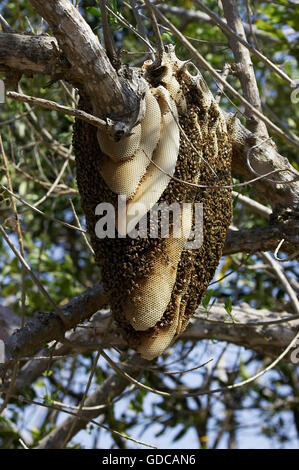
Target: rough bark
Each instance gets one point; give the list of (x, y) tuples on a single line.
[(263, 239), (244, 67), (87, 64), (264, 159), (31, 54), (113, 95), (46, 327), (37, 54)]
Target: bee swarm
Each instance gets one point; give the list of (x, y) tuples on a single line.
[(155, 284)]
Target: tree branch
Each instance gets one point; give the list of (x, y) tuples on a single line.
[(231, 32), (268, 340), (244, 67), (195, 16), (262, 239), (45, 327), (34, 54), (112, 387), (263, 157), (112, 95)]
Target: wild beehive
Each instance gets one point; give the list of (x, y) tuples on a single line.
[(180, 153)]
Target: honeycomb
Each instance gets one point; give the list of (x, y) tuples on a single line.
[(155, 284)]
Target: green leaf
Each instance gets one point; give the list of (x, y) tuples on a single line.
[(206, 300), (228, 307), (94, 11)]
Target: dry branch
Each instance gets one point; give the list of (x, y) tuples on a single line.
[(46, 327), (112, 95), (244, 67)]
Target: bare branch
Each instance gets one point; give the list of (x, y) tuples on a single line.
[(268, 339), (260, 239), (112, 95), (226, 27), (219, 78), (45, 327), (34, 54), (263, 158), (113, 386), (279, 272), (244, 67), (5, 25), (196, 16), (252, 204), (109, 45), (94, 121)]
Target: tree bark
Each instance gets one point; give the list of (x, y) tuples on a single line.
[(31, 54), (46, 327), (112, 95), (244, 68)]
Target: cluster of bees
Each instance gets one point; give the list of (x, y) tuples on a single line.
[(155, 284)]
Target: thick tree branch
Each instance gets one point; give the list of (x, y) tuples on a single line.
[(38, 54), (232, 32), (262, 156), (34, 54), (267, 340), (263, 239), (112, 95), (202, 61), (9, 321), (46, 327), (244, 68)]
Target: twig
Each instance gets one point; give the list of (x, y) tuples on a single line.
[(110, 49), (254, 205), (218, 77), (225, 73), (122, 20), (251, 48), (283, 279), (83, 231), (228, 186), (23, 278), (21, 398), (5, 26), (244, 67), (55, 183), (77, 113), (92, 372), (43, 214), (32, 275), (160, 45), (283, 260), (140, 23)]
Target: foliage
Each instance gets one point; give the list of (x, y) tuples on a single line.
[(264, 413)]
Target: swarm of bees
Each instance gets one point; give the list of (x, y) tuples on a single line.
[(179, 153)]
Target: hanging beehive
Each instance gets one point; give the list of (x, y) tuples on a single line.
[(154, 284)]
